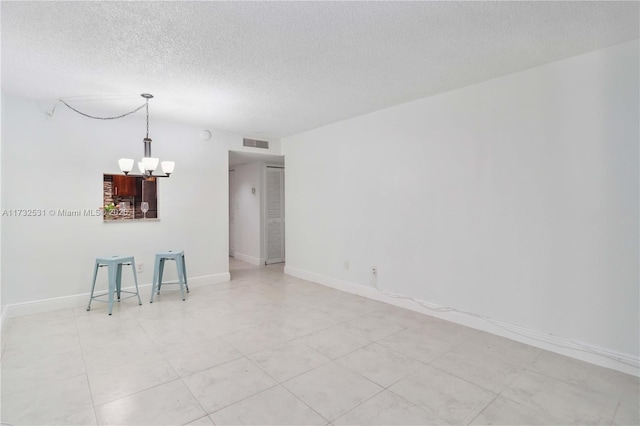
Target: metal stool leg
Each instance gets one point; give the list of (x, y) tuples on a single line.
[(119, 280), (93, 286), (135, 280), (180, 277), (184, 273), (154, 283), (160, 273), (112, 285)]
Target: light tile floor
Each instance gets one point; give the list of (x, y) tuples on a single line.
[(268, 348)]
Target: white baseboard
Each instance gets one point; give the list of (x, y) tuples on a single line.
[(561, 345), (206, 280), (76, 300), (249, 259)]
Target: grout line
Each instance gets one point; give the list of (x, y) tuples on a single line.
[(179, 377), (464, 379), (195, 398), (310, 407), (484, 408), (615, 413), (84, 363), (248, 396)]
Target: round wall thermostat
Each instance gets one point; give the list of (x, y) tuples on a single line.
[(205, 135)]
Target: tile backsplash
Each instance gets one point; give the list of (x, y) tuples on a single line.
[(127, 210)]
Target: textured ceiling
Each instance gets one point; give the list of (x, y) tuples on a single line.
[(272, 69)]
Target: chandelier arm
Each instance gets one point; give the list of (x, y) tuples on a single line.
[(112, 118)]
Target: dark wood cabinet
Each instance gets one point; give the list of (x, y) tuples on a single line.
[(131, 191), (124, 186), (147, 191)]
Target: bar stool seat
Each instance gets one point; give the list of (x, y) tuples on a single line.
[(158, 271), (114, 265)]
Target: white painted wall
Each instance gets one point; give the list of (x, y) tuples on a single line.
[(248, 210), (57, 163), (515, 199), (3, 311)]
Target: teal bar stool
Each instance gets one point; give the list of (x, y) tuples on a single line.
[(158, 270), (114, 265)]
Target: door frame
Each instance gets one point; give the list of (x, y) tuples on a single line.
[(232, 225)]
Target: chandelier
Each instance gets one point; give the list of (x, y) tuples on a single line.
[(148, 164)]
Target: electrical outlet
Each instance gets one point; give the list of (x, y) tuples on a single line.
[(374, 271), (139, 267)]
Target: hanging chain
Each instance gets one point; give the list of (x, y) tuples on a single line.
[(113, 118)]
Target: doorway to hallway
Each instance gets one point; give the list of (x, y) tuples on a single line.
[(256, 208)]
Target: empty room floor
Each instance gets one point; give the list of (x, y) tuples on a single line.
[(267, 348)]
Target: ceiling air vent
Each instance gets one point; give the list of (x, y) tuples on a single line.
[(254, 143)]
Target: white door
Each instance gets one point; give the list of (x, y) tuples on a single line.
[(232, 211), (275, 215)]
